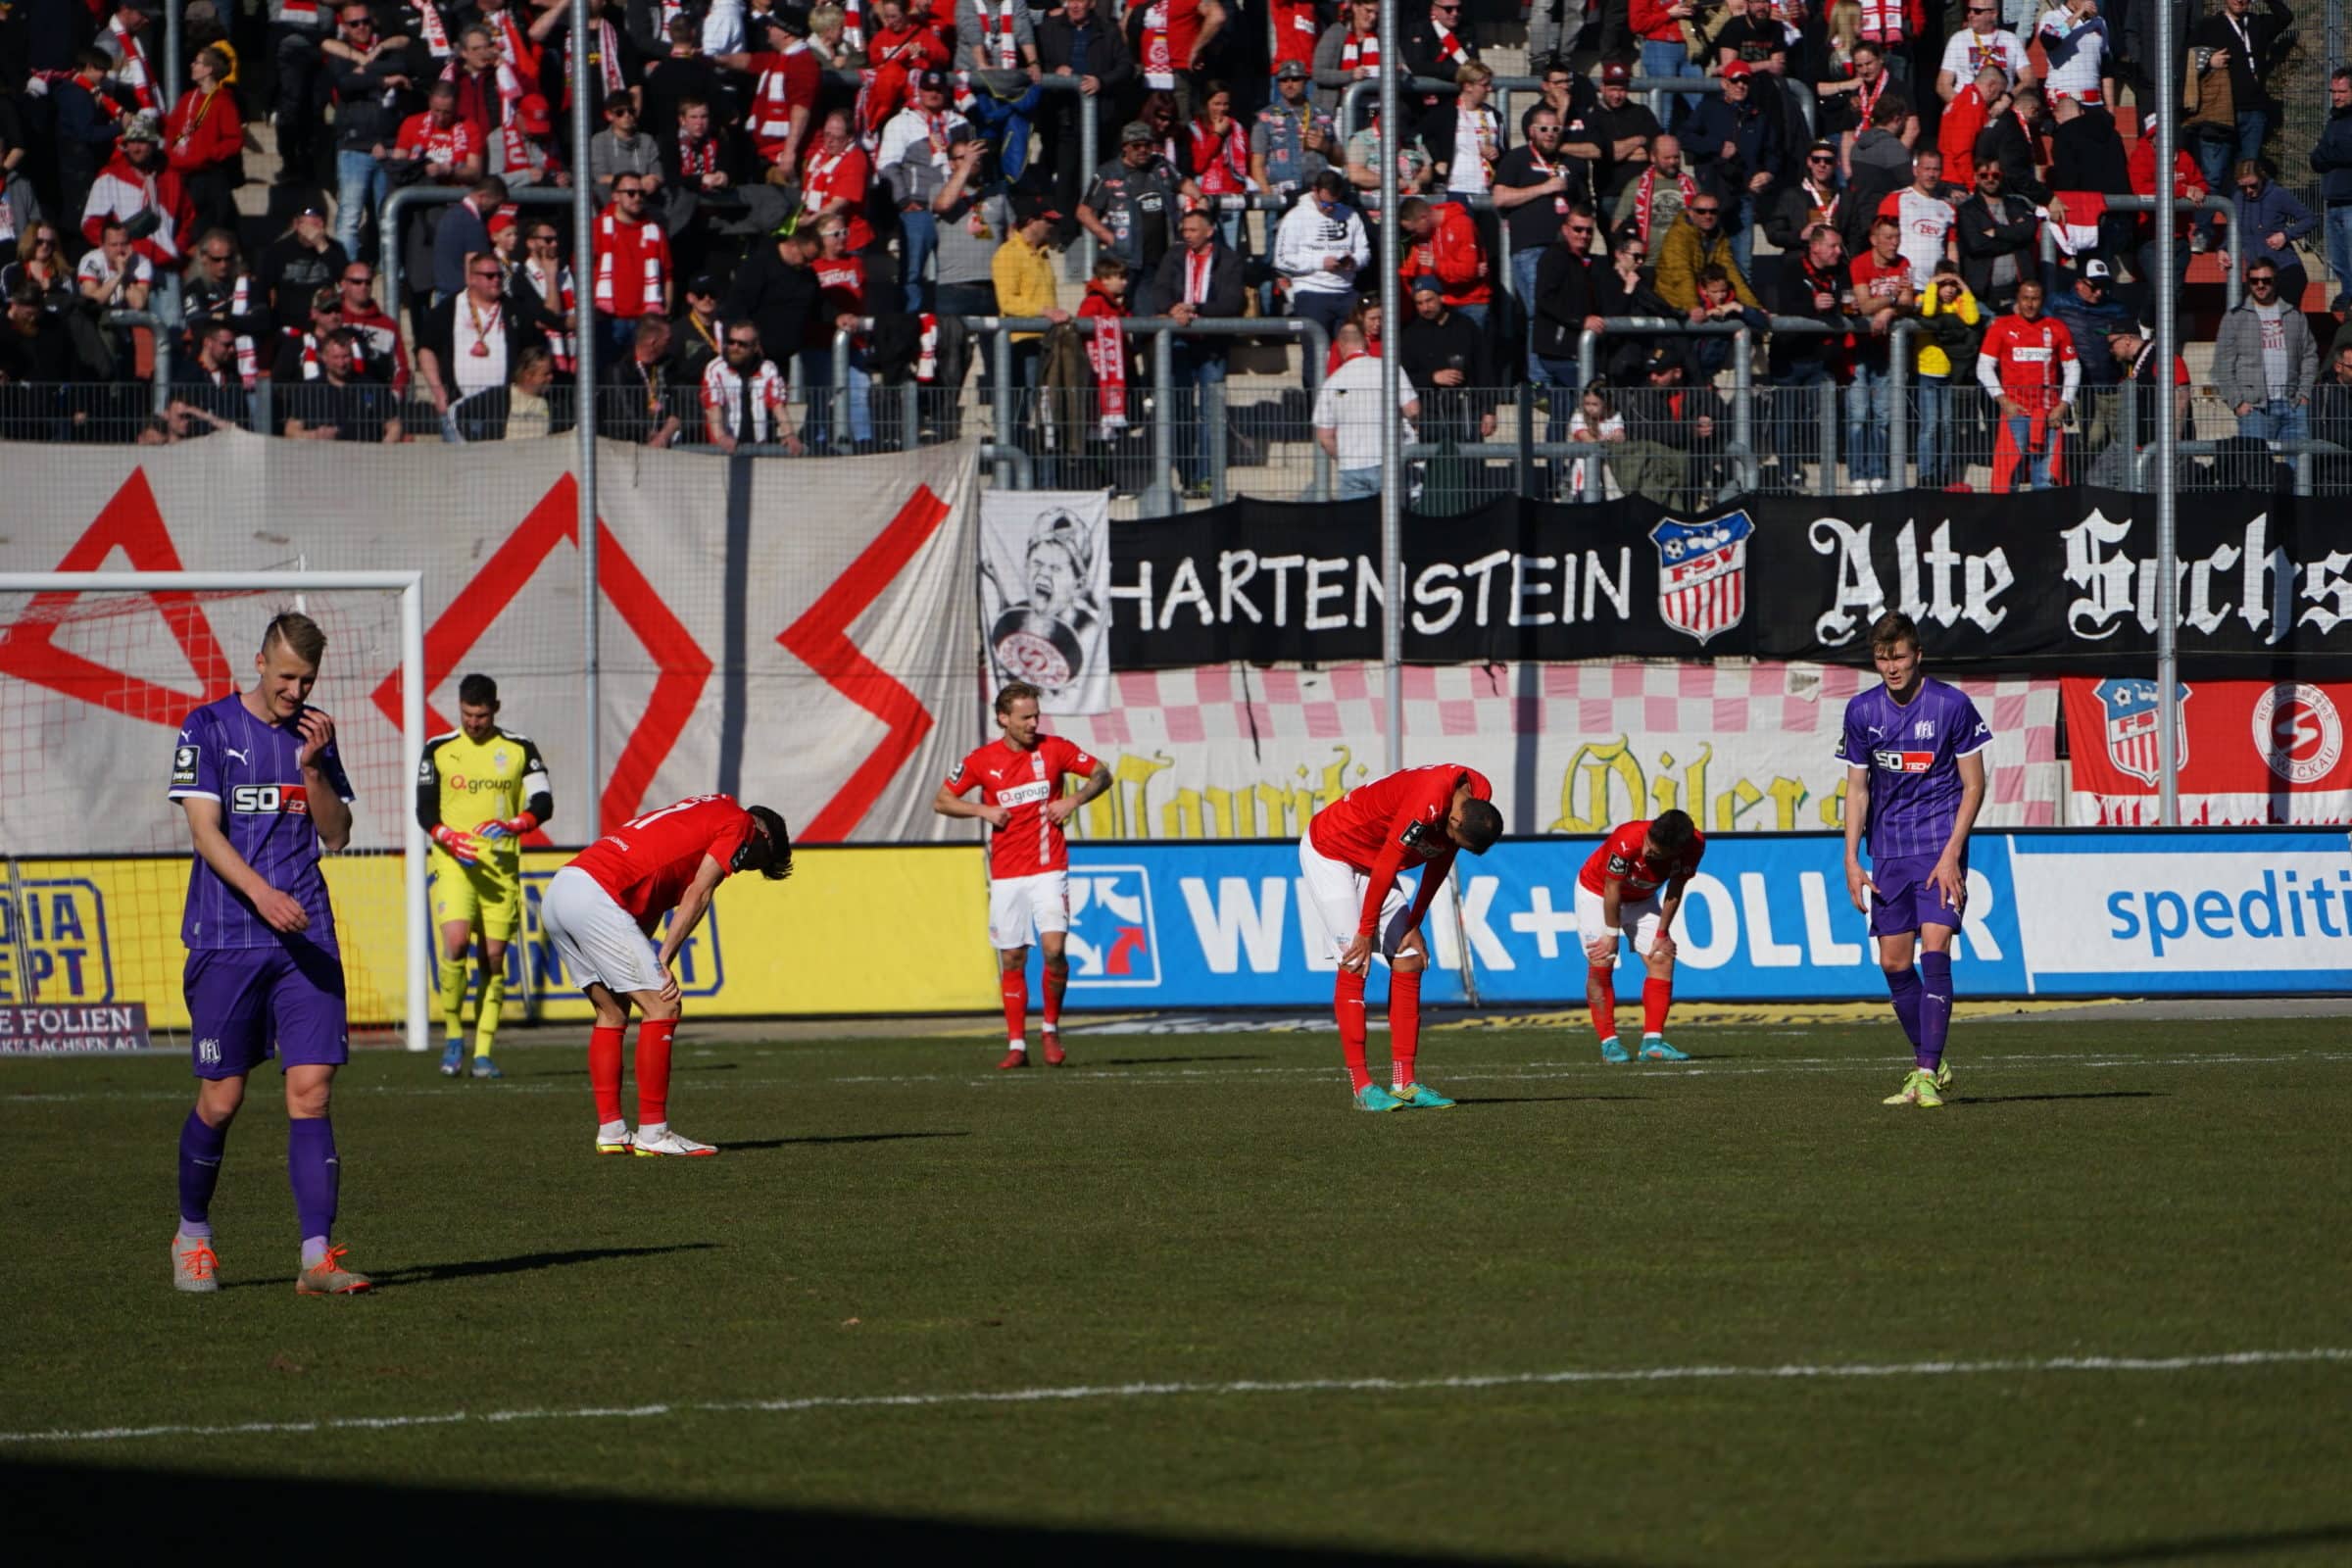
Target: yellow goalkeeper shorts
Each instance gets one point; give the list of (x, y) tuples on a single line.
[(484, 896)]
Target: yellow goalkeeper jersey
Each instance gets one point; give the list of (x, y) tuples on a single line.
[(465, 783)]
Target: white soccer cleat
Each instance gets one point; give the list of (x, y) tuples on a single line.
[(618, 1143), (656, 1144)]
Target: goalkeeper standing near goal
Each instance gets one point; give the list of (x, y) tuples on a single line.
[(480, 790)]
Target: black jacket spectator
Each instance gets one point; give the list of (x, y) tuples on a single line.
[(1108, 57), (2252, 43), (2087, 154), (1998, 247), (358, 410), (367, 111), (292, 272), (2004, 142), (1456, 343), (776, 296), (635, 398), (2332, 161), (1795, 292), (520, 319), (1225, 292), (1754, 128), (1568, 288)]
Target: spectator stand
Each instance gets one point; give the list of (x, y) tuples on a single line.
[(2234, 284), (1656, 91)]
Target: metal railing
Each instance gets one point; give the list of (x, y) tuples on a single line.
[(2233, 267), (1354, 90), (398, 205)]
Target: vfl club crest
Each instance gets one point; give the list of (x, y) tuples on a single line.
[(1702, 573), (2130, 711)]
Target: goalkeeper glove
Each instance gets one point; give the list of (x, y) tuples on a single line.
[(465, 846), (513, 828)]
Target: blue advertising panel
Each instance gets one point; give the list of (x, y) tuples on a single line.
[(1767, 918)]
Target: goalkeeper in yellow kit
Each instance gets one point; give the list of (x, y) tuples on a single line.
[(478, 790)]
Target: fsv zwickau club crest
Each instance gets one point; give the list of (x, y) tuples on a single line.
[(1702, 573), (2132, 721)]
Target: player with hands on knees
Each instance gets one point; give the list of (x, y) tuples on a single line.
[(1635, 877)]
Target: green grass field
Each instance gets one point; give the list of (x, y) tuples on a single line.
[(1673, 1278)]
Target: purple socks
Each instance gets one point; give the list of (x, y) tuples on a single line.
[(200, 1149), (311, 1163), (1903, 986), (1935, 1008)]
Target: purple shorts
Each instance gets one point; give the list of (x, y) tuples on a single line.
[(1905, 900), (247, 1004)]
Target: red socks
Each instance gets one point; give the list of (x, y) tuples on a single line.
[(1348, 1002), (1404, 1024), (652, 1071), (1016, 984), (1057, 980), (1656, 997), (604, 1072), (1600, 995)]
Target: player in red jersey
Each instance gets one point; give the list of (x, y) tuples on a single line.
[(1350, 856), (601, 911), (1637, 874), (1019, 780)]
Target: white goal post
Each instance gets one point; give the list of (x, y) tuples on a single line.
[(288, 590)]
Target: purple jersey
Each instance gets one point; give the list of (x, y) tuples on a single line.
[(247, 765), (1913, 752)]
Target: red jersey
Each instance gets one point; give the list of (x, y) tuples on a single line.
[(1381, 826), (845, 176), (450, 144), (1022, 782), (2030, 357), (1620, 855), (648, 861)]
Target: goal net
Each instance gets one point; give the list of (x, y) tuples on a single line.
[(98, 670)]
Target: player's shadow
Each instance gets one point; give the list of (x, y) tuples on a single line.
[(519, 1263), (834, 1138), (2086, 1093), (1544, 1100)]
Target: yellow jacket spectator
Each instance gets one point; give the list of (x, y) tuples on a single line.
[(1024, 274), (1697, 240)]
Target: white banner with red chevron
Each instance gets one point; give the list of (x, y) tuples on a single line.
[(798, 634)]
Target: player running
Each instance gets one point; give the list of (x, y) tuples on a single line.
[(480, 790), (1019, 779), (1351, 856), (1636, 875), (259, 777), (1914, 781), (601, 911)]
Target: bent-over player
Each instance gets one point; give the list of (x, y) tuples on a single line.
[(1351, 856), (259, 777), (1638, 876), (1019, 779), (480, 790), (601, 911), (1914, 781)]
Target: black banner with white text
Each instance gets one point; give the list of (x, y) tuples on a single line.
[(2059, 580)]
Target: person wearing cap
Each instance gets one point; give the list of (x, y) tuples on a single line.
[(2135, 350), (1198, 279), (524, 151), (139, 187), (1444, 354), (2332, 161), (1738, 145), (2092, 313), (784, 97), (700, 331), (1080, 42), (1623, 128), (921, 147), (1131, 207), (1291, 141), (1023, 272)]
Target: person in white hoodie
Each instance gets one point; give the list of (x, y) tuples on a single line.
[(1320, 247)]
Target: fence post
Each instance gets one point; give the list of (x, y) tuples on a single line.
[(1744, 412), (1212, 409), (1525, 458), (1160, 497), (999, 350), (1898, 398), (911, 415), (1828, 438)]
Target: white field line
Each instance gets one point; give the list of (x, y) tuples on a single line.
[(1104, 1392), (1965, 1061)]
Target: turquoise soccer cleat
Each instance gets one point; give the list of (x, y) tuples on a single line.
[(1656, 1048), (452, 1060), (1611, 1050), (1374, 1097), (1420, 1097), (484, 1067)]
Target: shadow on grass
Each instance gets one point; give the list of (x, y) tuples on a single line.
[(479, 1267), (1163, 1061), (2029, 1100), (675, 1067), (1544, 1100), (2250, 1544), (835, 1137), (90, 1512)]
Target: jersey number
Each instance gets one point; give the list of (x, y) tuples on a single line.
[(269, 800), (648, 817)]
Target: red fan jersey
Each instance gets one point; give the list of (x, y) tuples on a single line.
[(1022, 782), (1377, 827), (2031, 359), (1620, 855), (648, 861)]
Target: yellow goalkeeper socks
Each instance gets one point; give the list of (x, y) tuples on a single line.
[(448, 990), (494, 996)]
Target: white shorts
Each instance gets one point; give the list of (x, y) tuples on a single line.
[(1017, 902), (1640, 917), (1334, 890), (595, 938)]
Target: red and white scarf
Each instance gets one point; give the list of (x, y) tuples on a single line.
[(1823, 201), (1449, 47), (1361, 52), (1106, 354), (926, 359), (1883, 21), (1867, 98), (644, 246), (997, 42), (515, 44), (2075, 221), (1198, 266), (240, 301), (853, 25), (556, 291), (1221, 163), (695, 162), (134, 73), (313, 370), (606, 57), (1159, 55), (1648, 190), (771, 111), (436, 33)]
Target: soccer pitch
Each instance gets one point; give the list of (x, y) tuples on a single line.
[(2094, 1311)]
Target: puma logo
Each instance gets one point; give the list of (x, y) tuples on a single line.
[(245, 757)]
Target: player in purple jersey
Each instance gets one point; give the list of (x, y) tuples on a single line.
[(263, 790), (1913, 751)]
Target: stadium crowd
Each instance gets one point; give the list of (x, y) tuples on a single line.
[(765, 173)]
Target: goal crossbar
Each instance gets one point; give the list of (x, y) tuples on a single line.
[(410, 586)]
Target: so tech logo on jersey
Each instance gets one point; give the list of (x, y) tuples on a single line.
[(1702, 573), (1112, 941), (2132, 718), (269, 800)]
